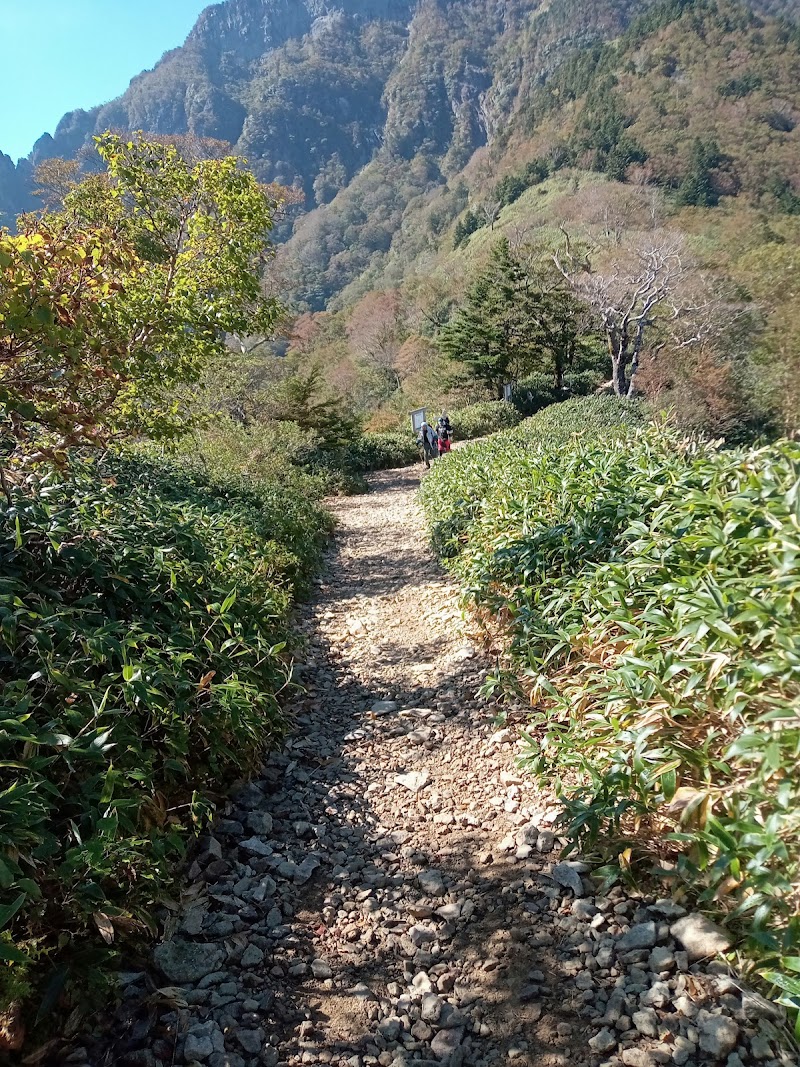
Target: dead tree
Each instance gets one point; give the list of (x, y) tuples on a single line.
[(644, 293)]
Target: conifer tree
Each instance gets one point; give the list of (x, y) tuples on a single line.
[(518, 317)]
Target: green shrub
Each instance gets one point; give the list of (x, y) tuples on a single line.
[(483, 418), (537, 391), (651, 590), (384, 451), (452, 498), (143, 613), (282, 453)]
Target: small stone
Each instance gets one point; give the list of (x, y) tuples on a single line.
[(260, 822), (198, 1047), (682, 1051), (755, 1007), (643, 935), (604, 1041), (321, 969), (661, 959), (566, 875), (184, 962), (304, 872), (421, 983), (546, 841), (420, 735), (252, 956), (583, 909), (658, 995), (421, 935), (637, 1057), (431, 883), (718, 1035), (685, 1006), (383, 707), (501, 737), (256, 847), (431, 1008), (699, 936), (192, 922), (421, 1031), (529, 834), (646, 1022), (446, 1042), (760, 1048), (252, 1041), (390, 1028), (414, 781)]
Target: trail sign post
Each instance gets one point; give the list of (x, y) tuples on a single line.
[(417, 419), (507, 388)]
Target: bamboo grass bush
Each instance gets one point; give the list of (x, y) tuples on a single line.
[(649, 587), (143, 616)]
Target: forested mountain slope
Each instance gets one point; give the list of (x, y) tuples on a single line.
[(311, 92), (698, 98)]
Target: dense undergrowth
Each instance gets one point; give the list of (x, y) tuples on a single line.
[(143, 615), (283, 453), (648, 587)]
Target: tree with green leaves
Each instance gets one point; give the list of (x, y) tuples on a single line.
[(303, 399), (110, 305), (517, 317)]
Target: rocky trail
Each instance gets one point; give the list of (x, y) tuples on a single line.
[(389, 890)]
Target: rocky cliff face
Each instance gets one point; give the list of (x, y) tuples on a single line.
[(311, 90), (295, 84), (15, 186)]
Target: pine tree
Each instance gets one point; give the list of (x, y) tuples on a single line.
[(514, 320)]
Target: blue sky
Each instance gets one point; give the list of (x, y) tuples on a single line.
[(57, 55)]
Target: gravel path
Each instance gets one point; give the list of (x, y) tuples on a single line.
[(389, 891)]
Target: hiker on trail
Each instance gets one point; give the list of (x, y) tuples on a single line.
[(443, 441), (428, 442), (444, 433)]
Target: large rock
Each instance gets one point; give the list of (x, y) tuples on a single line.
[(184, 962), (700, 936)]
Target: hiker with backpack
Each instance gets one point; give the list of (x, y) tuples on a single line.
[(444, 433), (428, 441)]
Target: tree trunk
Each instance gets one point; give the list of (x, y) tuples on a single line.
[(632, 390), (559, 374), (618, 375)]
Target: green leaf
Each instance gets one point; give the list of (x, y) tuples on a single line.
[(8, 911)]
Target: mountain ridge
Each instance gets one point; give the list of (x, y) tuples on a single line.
[(312, 92)]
